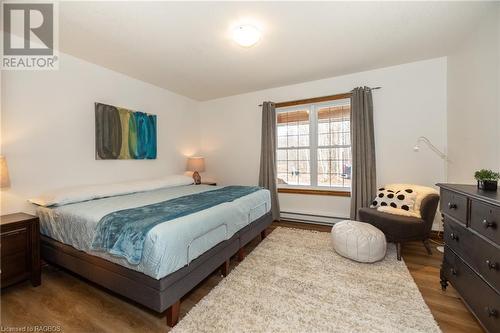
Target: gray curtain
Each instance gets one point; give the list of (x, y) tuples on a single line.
[(364, 181), (267, 174)]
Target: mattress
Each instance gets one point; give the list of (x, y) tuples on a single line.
[(168, 246)]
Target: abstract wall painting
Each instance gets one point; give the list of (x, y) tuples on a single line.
[(124, 134)]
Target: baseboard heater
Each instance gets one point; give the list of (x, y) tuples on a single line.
[(436, 231), (311, 218)]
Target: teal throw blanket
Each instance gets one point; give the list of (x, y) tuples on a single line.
[(123, 233)]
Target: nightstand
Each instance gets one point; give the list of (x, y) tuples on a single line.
[(20, 249), (209, 183)]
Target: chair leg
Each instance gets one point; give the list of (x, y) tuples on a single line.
[(398, 249), (427, 246)]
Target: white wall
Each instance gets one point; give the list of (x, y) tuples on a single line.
[(473, 102), (48, 129), (411, 103)]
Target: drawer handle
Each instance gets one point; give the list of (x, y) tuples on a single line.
[(492, 265), (452, 205), (491, 312), (454, 237), (453, 271), (487, 224)]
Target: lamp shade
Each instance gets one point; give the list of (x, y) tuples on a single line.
[(196, 164), (4, 173)]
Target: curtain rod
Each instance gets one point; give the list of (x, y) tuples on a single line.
[(311, 100)]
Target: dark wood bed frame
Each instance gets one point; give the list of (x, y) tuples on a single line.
[(158, 295)]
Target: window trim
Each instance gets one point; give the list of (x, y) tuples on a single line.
[(314, 191), (312, 106), (313, 100)]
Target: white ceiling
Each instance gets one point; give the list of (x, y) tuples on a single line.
[(186, 47)]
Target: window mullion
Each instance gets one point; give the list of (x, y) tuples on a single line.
[(313, 140)]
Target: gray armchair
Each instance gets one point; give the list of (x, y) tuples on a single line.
[(400, 229)]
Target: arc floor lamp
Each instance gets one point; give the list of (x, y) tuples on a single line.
[(443, 156)]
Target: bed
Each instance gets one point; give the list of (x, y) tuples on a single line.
[(176, 254)]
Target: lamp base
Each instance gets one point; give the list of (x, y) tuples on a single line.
[(196, 178)]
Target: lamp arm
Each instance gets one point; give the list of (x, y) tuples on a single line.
[(432, 147)]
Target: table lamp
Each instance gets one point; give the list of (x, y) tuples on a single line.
[(4, 173), (196, 164)]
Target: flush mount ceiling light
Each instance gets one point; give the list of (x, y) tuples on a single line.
[(246, 35)]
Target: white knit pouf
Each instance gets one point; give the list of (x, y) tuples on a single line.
[(358, 241)]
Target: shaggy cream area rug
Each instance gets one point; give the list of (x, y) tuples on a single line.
[(295, 282)]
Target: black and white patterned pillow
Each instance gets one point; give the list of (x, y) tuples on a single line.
[(401, 199)]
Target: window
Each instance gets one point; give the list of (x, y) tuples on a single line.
[(314, 146), (293, 155)]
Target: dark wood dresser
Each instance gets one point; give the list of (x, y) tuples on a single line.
[(471, 260), (20, 249)]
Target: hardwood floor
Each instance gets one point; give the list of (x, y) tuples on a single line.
[(75, 305)]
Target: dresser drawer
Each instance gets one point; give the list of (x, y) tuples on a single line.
[(14, 241), (482, 300), (454, 205), (20, 249), (478, 253), (485, 219), (14, 268)]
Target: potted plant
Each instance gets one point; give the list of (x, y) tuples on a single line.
[(487, 179)]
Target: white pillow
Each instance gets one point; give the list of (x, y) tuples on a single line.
[(83, 193), (421, 191), (403, 199)]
